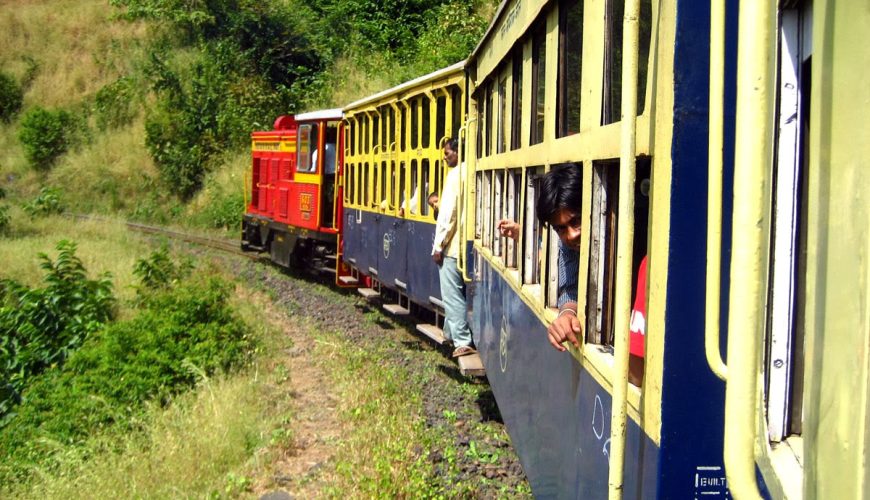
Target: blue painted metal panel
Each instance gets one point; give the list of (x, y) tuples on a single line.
[(351, 236), (370, 242), (557, 414), (422, 273), (392, 259)]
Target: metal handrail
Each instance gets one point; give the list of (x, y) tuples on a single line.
[(627, 174), (714, 188), (752, 157), (460, 215)]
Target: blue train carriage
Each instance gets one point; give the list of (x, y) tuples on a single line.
[(546, 90), (787, 211), (393, 162)]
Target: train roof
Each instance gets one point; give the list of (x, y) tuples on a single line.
[(407, 85), (321, 114)]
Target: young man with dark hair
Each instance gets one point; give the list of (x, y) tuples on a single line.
[(445, 252), (561, 193)]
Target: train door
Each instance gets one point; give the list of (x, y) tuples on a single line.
[(329, 168), (392, 263)]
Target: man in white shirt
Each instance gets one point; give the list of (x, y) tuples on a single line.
[(445, 252)]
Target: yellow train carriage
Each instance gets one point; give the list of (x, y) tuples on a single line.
[(393, 162)]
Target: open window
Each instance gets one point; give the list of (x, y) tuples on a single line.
[(498, 179), (612, 102), (602, 252), (517, 97), (539, 83), (486, 198), (570, 66), (501, 127), (532, 229), (784, 335), (512, 212), (306, 151)]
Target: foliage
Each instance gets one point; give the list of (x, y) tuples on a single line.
[(11, 97), (113, 104), (45, 135), (181, 335), (159, 271), (5, 219), (46, 203), (225, 210), (39, 328)]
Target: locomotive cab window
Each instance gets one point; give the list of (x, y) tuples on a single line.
[(306, 159)]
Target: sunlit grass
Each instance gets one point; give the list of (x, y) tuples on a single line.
[(103, 246), (71, 47)]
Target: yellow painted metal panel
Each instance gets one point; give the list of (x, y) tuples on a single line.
[(838, 256)]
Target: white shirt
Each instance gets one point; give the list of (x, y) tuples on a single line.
[(448, 214)]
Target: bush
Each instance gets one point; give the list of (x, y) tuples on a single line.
[(11, 97), (181, 335), (158, 271), (45, 135), (40, 327), (113, 104), (225, 211), (46, 203), (5, 219)]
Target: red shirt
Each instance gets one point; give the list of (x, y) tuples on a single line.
[(638, 313)]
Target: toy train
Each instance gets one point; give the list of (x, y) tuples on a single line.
[(726, 143)]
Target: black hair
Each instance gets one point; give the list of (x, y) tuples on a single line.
[(453, 143), (561, 187), (433, 194)]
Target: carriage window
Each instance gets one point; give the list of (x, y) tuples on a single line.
[(497, 210), (501, 144), (306, 160), (490, 116), (440, 118), (481, 122), (456, 112), (403, 133), (512, 212), (486, 195), (414, 207), (784, 336), (517, 97), (391, 135), (532, 229), (426, 139), (611, 108), (424, 178), (570, 54), (478, 217), (364, 184), (376, 128), (365, 134), (539, 84), (415, 129), (602, 253)]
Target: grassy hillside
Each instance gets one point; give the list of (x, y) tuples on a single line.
[(153, 100)]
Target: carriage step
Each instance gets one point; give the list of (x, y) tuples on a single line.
[(368, 293), (331, 256), (471, 365), (348, 280), (325, 270), (433, 332), (396, 309), (436, 302)]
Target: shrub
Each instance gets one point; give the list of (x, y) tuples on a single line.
[(40, 327), (45, 135), (158, 271), (46, 203), (181, 335), (113, 104), (5, 219), (11, 97), (225, 211)]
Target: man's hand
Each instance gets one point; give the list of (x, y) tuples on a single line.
[(566, 327), (437, 257), (508, 229)]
